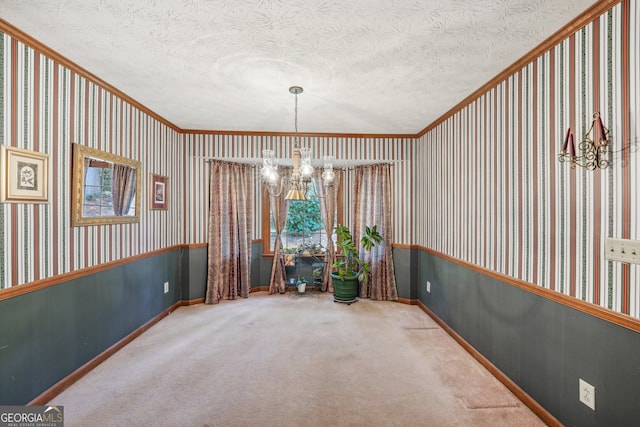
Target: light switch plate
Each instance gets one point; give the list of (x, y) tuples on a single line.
[(623, 250)]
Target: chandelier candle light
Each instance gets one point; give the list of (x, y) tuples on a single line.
[(298, 183), (592, 151)]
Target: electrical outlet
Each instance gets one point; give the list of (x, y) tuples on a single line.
[(587, 394), (166, 287), (428, 286), (623, 250)]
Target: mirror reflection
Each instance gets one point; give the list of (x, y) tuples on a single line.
[(106, 187)]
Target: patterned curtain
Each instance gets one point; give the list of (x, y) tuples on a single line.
[(372, 203), (279, 211), (328, 201), (123, 188), (230, 216)]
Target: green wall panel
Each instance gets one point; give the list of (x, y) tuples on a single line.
[(47, 334), (543, 346)]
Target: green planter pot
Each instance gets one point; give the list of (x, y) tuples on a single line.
[(345, 290)]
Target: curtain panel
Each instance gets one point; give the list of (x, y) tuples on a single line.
[(279, 210), (229, 236), (372, 204), (328, 201)]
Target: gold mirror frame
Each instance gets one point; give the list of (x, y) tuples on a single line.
[(80, 152)]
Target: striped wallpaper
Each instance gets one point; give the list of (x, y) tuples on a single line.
[(484, 186), (200, 147), (46, 107), (494, 194)]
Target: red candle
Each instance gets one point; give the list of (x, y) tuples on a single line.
[(566, 141), (603, 135)]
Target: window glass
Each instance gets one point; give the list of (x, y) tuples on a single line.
[(304, 230)]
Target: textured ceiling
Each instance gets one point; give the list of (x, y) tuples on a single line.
[(367, 66)]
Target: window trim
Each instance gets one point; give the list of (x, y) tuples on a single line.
[(266, 217)]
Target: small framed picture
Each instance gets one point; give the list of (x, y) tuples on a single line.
[(159, 191), (24, 176)]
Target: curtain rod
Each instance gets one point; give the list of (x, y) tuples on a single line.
[(256, 162)]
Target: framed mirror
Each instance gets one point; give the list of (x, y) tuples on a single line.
[(106, 188)]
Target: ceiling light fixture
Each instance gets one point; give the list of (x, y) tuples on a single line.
[(297, 185)]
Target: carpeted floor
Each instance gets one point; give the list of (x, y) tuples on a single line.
[(290, 360)]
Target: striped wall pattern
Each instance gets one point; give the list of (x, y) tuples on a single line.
[(492, 192), (200, 147), (46, 107)]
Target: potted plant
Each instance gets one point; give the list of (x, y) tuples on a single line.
[(289, 256), (350, 269), (301, 284), (309, 249)]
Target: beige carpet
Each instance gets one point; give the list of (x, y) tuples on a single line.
[(293, 361)]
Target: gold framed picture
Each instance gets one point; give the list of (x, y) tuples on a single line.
[(24, 177), (159, 192)]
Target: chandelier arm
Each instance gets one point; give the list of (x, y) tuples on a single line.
[(272, 192)]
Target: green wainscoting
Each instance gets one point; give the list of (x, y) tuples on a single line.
[(543, 346), (47, 334)]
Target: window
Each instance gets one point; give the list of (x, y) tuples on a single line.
[(304, 227)]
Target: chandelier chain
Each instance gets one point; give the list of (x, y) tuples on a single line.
[(295, 141)]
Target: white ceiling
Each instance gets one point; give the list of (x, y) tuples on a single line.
[(366, 66)]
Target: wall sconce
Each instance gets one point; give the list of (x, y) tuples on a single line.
[(592, 149)]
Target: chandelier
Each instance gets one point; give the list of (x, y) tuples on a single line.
[(297, 185)]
